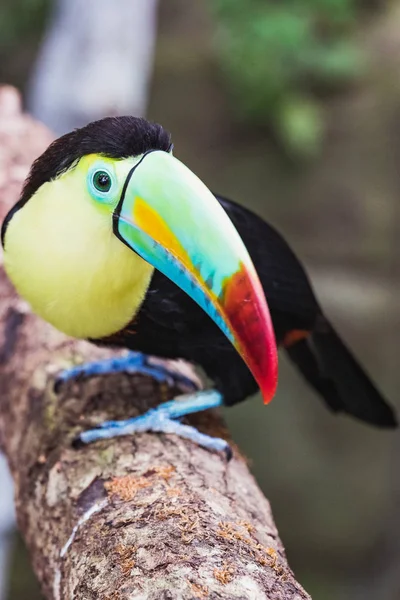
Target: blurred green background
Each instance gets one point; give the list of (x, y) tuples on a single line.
[(293, 108)]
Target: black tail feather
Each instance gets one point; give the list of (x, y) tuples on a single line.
[(331, 369)]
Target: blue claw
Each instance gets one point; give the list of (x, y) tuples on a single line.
[(163, 420), (133, 362)]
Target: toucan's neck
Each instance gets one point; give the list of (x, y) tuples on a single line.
[(89, 284)]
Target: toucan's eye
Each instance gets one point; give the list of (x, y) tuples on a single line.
[(102, 181)]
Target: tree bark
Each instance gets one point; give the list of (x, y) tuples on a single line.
[(148, 516)]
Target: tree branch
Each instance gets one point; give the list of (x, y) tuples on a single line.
[(147, 516)]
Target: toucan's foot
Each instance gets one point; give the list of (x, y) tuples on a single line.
[(164, 419), (132, 362)]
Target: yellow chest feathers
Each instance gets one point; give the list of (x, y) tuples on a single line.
[(71, 268)]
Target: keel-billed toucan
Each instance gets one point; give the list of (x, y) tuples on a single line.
[(115, 240)]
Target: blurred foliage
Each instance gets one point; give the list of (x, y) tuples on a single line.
[(21, 25), (19, 18), (23, 583), (280, 56)]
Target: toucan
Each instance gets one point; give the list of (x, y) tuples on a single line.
[(116, 241)]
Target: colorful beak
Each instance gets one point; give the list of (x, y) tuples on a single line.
[(171, 219)]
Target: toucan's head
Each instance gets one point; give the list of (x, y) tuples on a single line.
[(104, 206)]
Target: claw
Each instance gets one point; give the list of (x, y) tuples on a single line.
[(133, 362), (164, 419)]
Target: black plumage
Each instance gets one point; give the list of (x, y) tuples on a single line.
[(170, 324)]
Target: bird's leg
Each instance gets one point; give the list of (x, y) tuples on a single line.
[(165, 419), (132, 362)]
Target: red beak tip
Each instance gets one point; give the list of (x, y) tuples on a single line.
[(269, 397), (270, 382)]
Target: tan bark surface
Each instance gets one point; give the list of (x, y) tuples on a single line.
[(143, 517)]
